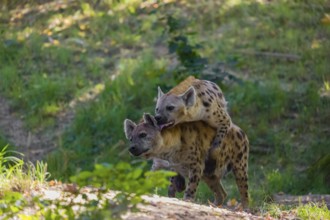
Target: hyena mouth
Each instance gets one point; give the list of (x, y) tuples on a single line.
[(140, 154), (166, 125)]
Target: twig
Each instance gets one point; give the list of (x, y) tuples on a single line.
[(260, 150), (295, 200), (270, 54)]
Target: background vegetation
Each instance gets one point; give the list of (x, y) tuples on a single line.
[(104, 60)]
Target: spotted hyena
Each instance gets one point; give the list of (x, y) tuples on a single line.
[(185, 146), (195, 100)]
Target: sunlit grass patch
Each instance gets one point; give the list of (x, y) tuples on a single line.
[(98, 125), (55, 54), (308, 211), (313, 211), (16, 175)]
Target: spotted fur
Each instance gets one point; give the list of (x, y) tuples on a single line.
[(185, 146), (194, 100)]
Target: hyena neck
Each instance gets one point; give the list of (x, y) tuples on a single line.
[(194, 113), (170, 143)]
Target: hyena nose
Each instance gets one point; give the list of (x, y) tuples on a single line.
[(158, 119), (132, 149)]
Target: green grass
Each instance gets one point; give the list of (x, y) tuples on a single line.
[(313, 211), (301, 211), (19, 176), (23, 184), (88, 140), (48, 60)]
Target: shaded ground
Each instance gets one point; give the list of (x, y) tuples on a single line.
[(33, 144), (169, 208), (155, 207)]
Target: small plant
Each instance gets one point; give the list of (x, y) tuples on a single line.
[(192, 63), (19, 176), (130, 182), (312, 211)]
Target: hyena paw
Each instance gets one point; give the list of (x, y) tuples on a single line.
[(188, 198)]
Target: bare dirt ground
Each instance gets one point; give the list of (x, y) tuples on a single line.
[(33, 144), (154, 207), (169, 208)]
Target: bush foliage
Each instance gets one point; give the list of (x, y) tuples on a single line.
[(103, 60)]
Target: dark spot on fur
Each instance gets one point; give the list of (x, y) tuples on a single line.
[(229, 167), (193, 179), (212, 177), (237, 145), (220, 95), (239, 156), (245, 148), (206, 104), (213, 93), (183, 141), (210, 165), (210, 100)]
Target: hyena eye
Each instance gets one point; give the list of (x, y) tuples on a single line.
[(170, 108), (157, 109), (142, 135)]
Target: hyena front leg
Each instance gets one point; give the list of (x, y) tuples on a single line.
[(223, 122), (178, 184), (195, 174)]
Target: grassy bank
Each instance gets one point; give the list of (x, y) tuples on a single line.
[(270, 59)]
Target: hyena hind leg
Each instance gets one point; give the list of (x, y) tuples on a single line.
[(216, 186)]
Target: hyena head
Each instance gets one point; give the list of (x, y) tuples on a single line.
[(171, 109), (145, 137)]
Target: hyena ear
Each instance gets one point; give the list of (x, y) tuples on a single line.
[(160, 92), (189, 97), (128, 128), (150, 120)]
